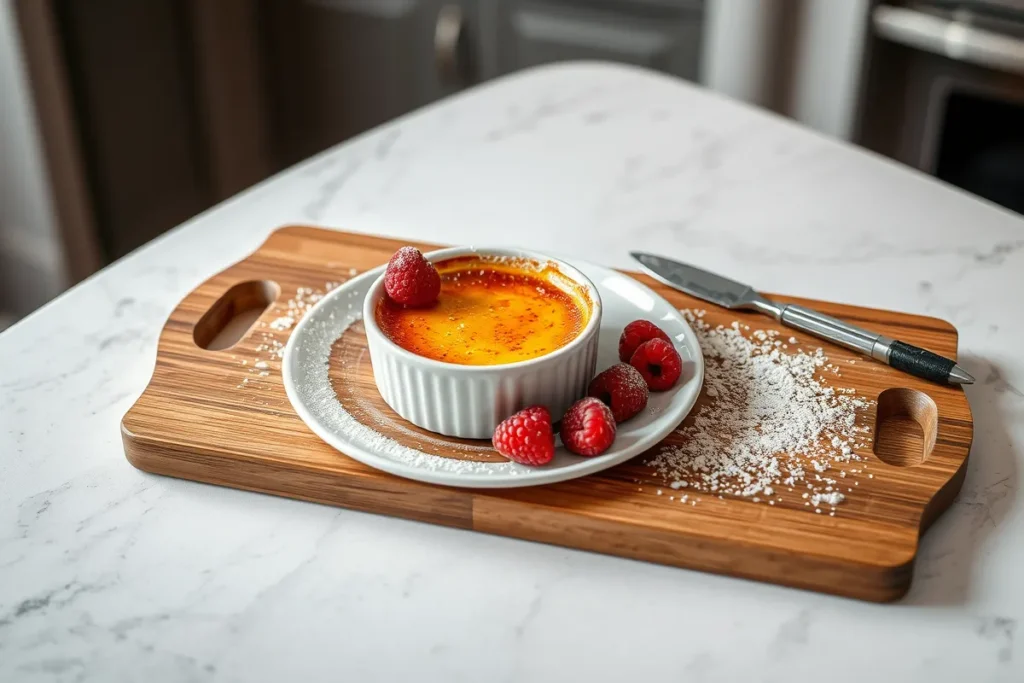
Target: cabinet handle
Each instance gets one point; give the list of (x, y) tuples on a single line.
[(449, 46)]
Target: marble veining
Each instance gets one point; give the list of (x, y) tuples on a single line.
[(110, 574)]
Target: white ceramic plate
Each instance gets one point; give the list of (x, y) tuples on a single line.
[(624, 300)]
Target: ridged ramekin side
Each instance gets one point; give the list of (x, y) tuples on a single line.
[(464, 402)]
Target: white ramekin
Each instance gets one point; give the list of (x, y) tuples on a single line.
[(468, 401)]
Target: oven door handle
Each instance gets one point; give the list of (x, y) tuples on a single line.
[(950, 38)]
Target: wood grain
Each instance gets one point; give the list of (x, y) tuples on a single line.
[(212, 416)]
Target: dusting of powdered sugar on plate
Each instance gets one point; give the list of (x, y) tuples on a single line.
[(313, 351), (371, 412)]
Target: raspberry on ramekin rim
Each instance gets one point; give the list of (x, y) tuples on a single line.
[(410, 279)]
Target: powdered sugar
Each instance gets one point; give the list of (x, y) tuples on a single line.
[(767, 421), (833, 498), (305, 298), (285, 322)]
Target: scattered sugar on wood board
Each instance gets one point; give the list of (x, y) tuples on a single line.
[(272, 349), (768, 421), (305, 298), (285, 322)]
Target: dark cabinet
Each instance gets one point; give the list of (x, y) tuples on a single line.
[(664, 37), (338, 67)]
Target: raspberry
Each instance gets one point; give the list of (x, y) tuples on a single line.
[(588, 427), (659, 363), (526, 437), (635, 334), (410, 279), (623, 388)]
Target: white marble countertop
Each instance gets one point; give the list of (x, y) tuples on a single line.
[(110, 574)]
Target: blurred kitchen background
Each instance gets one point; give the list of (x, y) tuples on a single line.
[(120, 119)]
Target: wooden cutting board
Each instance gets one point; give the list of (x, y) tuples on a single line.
[(211, 416)]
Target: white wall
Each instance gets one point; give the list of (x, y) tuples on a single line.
[(740, 43), (31, 262), (825, 85), (801, 58)]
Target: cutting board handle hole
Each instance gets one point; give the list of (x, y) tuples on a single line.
[(905, 427), (234, 313)]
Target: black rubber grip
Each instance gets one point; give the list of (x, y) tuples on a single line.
[(919, 362)]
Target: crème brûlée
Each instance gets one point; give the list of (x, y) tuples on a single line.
[(491, 311)]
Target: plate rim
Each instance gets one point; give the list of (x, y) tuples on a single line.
[(538, 477)]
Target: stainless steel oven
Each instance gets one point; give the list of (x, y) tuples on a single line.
[(944, 93)]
